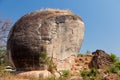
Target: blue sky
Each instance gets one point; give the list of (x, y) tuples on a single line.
[(101, 18)]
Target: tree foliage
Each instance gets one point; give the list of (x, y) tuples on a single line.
[(4, 29)]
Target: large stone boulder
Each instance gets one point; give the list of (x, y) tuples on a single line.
[(100, 59), (57, 32)]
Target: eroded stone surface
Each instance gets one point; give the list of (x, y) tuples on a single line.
[(57, 32)]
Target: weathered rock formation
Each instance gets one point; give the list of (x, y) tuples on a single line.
[(100, 59), (112, 76), (57, 32)]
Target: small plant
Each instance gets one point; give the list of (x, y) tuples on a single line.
[(2, 57), (112, 69), (115, 67), (42, 57), (90, 75), (113, 57), (117, 64), (118, 73), (1, 70), (88, 53), (93, 72), (84, 73), (80, 55), (44, 60), (51, 66), (65, 73)]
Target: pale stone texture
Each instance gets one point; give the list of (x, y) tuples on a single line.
[(57, 32), (66, 38), (35, 74)]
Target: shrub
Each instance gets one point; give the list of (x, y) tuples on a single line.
[(42, 57), (91, 75), (117, 64), (112, 69), (115, 67), (1, 70), (65, 73), (51, 66), (2, 57), (84, 73), (80, 55), (93, 72), (44, 60), (113, 57), (88, 52)]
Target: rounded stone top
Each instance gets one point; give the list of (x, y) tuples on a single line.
[(47, 13)]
